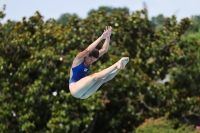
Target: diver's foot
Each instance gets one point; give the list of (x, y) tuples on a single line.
[(122, 62)]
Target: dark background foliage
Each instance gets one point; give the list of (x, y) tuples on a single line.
[(35, 57)]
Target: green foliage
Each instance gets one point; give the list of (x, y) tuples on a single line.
[(35, 57), (186, 76), (2, 14), (163, 125), (195, 24), (64, 18), (158, 21), (108, 10), (192, 37)]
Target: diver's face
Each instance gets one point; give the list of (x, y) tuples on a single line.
[(90, 59)]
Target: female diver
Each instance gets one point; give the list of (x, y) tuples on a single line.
[(82, 86)]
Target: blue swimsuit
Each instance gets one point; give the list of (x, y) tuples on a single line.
[(79, 72)]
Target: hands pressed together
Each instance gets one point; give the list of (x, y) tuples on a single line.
[(107, 32)]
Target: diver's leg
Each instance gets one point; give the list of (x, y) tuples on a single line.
[(80, 87), (96, 86)]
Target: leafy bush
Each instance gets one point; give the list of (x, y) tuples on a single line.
[(163, 125), (35, 57)]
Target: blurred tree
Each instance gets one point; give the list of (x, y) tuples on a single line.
[(186, 77), (108, 10), (195, 26), (64, 18), (35, 57), (164, 125), (2, 14), (158, 22)]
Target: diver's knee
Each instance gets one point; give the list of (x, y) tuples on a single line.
[(95, 76), (75, 94)]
